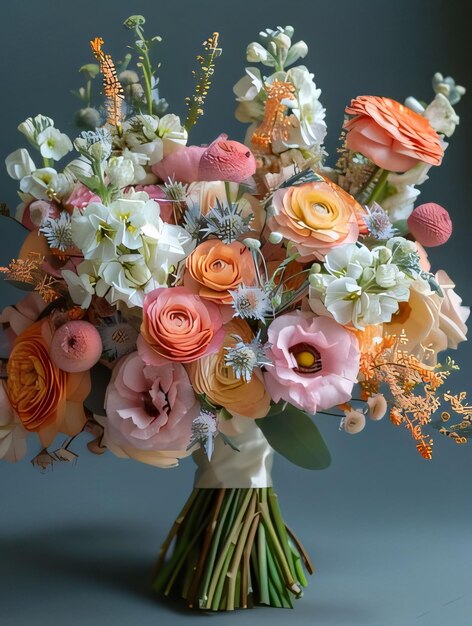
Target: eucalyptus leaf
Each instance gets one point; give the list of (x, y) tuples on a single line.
[(293, 434)]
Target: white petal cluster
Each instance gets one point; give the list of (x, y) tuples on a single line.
[(129, 250), (154, 137), (364, 286)]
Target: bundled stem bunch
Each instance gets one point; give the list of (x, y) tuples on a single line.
[(232, 550)]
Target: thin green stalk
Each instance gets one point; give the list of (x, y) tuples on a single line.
[(229, 497), (377, 190), (276, 515), (238, 553), (262, 562), (230, 540)]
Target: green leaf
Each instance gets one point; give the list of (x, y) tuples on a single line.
[(90, 70), (293, 434)]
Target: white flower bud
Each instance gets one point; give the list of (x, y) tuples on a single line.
[(120, 171), (275, 238), (282, 41), (386, 276), (252, 244), (315, 269), (255, 53), (299, 50), (354, 422)]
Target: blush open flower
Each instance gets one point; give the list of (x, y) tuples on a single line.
[(315, 361), (390, 134), (178, 326), (46, 399), (215, 269), (212, 376), (316, 217), (150, 409)]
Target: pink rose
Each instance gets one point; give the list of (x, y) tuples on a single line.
[(178, 326), (149, 407), (315, 361)]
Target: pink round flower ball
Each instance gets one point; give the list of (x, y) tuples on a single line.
[(430, 224), (76, 346)]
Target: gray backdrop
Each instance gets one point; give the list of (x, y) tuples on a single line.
[(389, 532)]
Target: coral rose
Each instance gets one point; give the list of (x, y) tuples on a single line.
[(218, 381), (316, 217), (315, 361), (150, 410), (46, 399), (390, 134), (178, 326), (215, 268)]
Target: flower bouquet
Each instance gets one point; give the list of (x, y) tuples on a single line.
[(216, 300)]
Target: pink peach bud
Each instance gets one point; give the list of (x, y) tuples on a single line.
[(377, 406), (430, 224), (76, 346)]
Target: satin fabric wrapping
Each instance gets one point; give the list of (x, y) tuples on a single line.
[(229, 469)]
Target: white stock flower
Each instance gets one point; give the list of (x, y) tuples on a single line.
[(124, 278), (92, 232), (19, 164), (120, 171), (363, 286), (441, 115), (308, 128), (39, 181), (32, 126), (155, 137), (255, 53), (81, 284), (53, 144)]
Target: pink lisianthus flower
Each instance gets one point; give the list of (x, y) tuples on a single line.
[(315, 361), (150, 409)]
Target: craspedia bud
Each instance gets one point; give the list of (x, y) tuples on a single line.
[(76, 346), (430, 225)]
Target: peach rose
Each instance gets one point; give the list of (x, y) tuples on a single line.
[(46, 399), (217, 380), (316, 217), (215, 268), (178, 326), (390, 134)]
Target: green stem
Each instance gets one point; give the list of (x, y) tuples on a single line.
[(379, 186)]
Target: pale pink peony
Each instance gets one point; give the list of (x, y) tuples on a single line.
[(223, 159), (150, 408), (315, 361), (181, 165)]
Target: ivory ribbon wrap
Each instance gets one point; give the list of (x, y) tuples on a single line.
[(229, 469)]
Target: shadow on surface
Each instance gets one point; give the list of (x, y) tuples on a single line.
[(90, 557)]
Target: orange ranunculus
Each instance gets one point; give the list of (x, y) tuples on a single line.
[(217, 268), (46, 399), (315, 217), (390, 134), (211, 376), (178, 326)]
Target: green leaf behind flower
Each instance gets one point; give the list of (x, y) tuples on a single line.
[(293, 434)]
